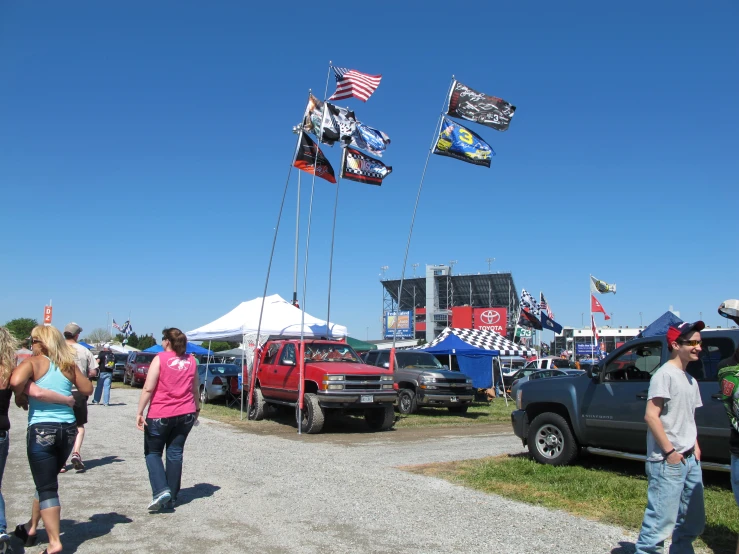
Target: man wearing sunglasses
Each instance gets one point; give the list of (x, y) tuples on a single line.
[(675, 491)]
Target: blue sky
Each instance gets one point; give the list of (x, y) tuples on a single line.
[(144, 148)]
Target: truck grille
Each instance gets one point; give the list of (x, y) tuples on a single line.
[(362, 382), (453, 384)]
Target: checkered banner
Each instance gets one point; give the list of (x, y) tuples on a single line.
[(487, 340)]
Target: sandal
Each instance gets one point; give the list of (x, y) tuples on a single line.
[(63, 470), (77, 461), (22, 534)]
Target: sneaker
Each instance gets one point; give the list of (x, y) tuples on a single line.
[(159, 502), (106, 404), (4, 537), (76, 460), (94, 402)]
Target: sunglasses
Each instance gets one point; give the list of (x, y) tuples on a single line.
[(690, 342), (36, 341)]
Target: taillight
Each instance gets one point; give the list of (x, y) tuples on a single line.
[(217, 381)]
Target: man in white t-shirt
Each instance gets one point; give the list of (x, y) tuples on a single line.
[(675, 493), (88, 366)]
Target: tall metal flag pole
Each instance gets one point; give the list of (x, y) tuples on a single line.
[(413, 218), (297, 238), (301, 383), (592, 319), (255, 360), (331, 256)]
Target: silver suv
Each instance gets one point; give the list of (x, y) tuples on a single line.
[(423, 381)]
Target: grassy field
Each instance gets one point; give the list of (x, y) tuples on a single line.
[(603, 489)]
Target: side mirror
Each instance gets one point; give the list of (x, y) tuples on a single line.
[(594, 370), (386, 365)]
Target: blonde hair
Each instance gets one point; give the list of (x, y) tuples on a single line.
[(56, 348), (8, 346)]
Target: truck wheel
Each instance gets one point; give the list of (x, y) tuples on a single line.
[(256, 412), (380, 419), (458, 409), (313, 418), (551, 440), (124, 379), (407, 401)]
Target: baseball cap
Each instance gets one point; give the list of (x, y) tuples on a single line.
[(729, 309), (72, 329), (677, 331)]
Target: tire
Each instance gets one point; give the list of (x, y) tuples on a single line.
[(313, 416), (458, 409), (551, 441), (407, 403), (256, 413), (380, 419), (203, 395), (124, 379)]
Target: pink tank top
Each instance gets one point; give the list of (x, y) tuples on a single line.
[(173, 393)]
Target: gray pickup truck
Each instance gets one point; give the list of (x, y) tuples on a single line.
[(602, 411), (423, 381)]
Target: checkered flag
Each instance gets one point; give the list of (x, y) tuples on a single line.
[(528, 302)]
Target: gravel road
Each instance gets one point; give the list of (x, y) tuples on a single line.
[(244, 491)]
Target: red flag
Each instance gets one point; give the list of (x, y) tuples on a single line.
[(310, 158), (592, 326), (596, 306)]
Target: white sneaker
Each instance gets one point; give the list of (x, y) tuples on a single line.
[(159, 502), (4, 537)]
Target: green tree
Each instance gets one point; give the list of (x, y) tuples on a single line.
[(21, 327), (146, 341), (218, 346)]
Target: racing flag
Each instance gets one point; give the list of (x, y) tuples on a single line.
[(471, 105), (460, 143), (329, 123), (309, 158), (596, 306), (360, 167), (549, 323), (527, 319), (596, 285)]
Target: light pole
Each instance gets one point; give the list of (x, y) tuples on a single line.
[(414, 270), (641, 323), (367, 336), (489, 261), (582, 319), (384, 268)]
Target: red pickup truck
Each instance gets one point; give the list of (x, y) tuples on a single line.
[(335, 379)]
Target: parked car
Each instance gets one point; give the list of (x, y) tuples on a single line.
[(335, 379), (217, 382), (137, 366), (604, 412), (511, 364), (550, 362), (536, 374), (423, 381), (120, 366)]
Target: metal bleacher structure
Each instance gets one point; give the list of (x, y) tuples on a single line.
[(440, 290)]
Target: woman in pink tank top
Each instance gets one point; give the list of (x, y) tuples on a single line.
[(171, 392)]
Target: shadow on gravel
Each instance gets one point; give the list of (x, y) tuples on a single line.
[(201, 490), (93, 463), (624, 548), (336, 423), (77, 532)]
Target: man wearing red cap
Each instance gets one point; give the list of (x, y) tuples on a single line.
[(675, 493)]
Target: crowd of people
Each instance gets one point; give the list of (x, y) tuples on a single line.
[(54, 386)]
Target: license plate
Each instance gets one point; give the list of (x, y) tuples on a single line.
[(454, 399), (366, 398)]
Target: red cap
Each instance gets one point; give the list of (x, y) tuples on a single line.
[(675, 332)]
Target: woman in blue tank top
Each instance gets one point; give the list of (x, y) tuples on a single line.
[(51, 427)]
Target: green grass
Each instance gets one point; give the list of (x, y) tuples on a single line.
[(608, 490), (478, 413)]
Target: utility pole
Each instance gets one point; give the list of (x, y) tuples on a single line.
[(641, 323), (414, 270), (489, 261)]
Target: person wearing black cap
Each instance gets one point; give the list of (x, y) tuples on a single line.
[(675, 491)]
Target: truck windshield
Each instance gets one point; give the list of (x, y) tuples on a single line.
[(331, 353), (417, 359)]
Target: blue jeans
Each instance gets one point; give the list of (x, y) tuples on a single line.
[(4, 445), (734, 477), (103, 386), (674, 506), (169, 432), (48, 446)]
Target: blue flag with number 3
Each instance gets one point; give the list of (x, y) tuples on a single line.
[(460, 143)]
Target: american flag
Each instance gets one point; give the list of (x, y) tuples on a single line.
[(350, 82), (116, 326), (594, 328), (528, 303), (544, 305)]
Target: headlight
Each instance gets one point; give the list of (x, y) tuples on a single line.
[(388, 387), (519, 397), (427, 379), (333, 377), (334, 387), (386, 378), (468, 381)]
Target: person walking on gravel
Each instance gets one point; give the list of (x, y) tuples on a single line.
[(51, 427), (675, 480), (87, 365), (106, 363), (171, 392)]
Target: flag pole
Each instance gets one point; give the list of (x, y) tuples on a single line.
[(415, 209), (266, 283), (301, 384), (297, 238), (331, 256), (592, 319)]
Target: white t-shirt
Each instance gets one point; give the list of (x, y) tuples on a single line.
[(84, 360), (681, 397)]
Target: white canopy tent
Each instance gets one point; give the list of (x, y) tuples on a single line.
[(280, 318)]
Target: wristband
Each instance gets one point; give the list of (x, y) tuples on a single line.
[(667, 454)]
